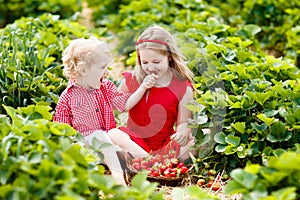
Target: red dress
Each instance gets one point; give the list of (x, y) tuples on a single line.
[(151, 121)]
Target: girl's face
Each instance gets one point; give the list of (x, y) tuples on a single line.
[(154, 62), (94, 74)]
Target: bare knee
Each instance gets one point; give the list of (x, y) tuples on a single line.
[(118, 137)]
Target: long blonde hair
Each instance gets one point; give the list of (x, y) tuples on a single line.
[(157, 38)]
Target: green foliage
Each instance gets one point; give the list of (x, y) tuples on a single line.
[(278, 19), (41, 159), (11, 10), (278, 179), (30, 62), (249, 100), (37, 157), (194, 193)]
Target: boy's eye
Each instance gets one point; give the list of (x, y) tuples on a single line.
[(156, 62)]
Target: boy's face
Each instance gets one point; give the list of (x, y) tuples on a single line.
[(94, 74)]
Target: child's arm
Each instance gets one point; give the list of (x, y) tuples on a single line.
[(135, 97), (183, 133), (62, 111)]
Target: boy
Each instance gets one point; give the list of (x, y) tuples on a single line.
[(88, 101)]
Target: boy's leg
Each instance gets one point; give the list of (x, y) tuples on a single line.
[(123, 140), (110, 155)]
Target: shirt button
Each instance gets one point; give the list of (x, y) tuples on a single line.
[(97, 109)]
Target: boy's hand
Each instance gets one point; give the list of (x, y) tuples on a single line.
[(149, 81)]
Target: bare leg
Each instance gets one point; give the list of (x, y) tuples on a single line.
[(184, 152), (110, 156), (122, 140), (113, 163)]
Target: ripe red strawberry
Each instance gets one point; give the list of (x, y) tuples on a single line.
[(183, 170), (201, 182), (216, 186), (136, 166)]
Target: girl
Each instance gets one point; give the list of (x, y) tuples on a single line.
[(160, 87), (88, 101)]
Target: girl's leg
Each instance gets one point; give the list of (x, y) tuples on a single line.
[(110, 155), (184, 152), (123, 140)]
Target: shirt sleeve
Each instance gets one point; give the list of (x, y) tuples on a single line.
[(62, 110), (119, 98)]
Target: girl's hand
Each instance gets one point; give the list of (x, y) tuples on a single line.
[(182, 137), (149, 81)]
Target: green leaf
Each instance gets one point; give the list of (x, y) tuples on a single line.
[(5, 189), (35, 157), (241, 152), (245, 179), (220, 138), (286, 161), (253, 168), (177, 194), (230, 149), (239, 126), (234, 187), (106, 183), (75, 153), (252, 29), (272, 176), (236, 105), (260, 97), (279, 133), (195, 192), (195, 107), (287, 193), (220, 148), (231, 139), (266, 119), (259, 127), (138, 180)]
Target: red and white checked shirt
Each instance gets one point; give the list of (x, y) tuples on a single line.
[(90, 110)]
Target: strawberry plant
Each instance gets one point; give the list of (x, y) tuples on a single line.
[(41, 159), (278, 178), (30, 62), (13, 10)]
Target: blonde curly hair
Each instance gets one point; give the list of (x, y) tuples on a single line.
[(80, 53)]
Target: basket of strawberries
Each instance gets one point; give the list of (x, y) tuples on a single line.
[(165, 169)]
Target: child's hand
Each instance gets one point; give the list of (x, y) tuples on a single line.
[(149, 81), (181, 137)]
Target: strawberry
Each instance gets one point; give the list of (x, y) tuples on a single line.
[(183, 170), (216, 186), (136, 166), (209, 184), (201, 182)]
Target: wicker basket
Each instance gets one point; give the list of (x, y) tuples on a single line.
[(162, 181)]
